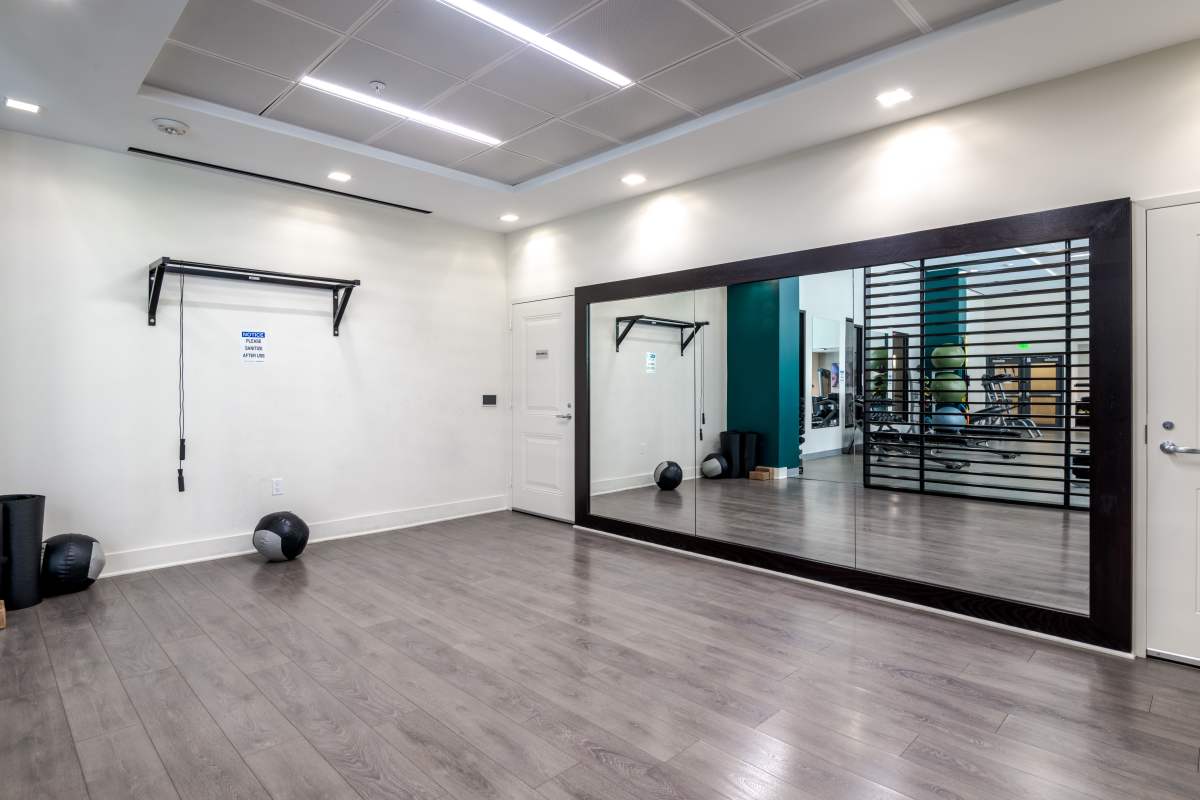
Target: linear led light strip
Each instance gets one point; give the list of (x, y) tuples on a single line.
[(399, 111), (542, 42)]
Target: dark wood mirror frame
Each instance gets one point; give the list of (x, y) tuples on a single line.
[(1108, 226)]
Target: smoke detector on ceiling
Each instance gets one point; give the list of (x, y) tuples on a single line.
[(377, 86), (171, 127)]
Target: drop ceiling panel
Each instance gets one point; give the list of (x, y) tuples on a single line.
[(356, 64), (428, 144), (723, 75), (543, 81), (833, 32), (487, 112), (340, 14), (741, 14), (541, 15), (636, 37), (178, 69), (437, 35), (940, 13), (559, 142), (629, 113), (322, 112), (253, 34), (504, 166)]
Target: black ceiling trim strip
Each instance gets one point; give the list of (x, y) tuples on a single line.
[(179, 159)]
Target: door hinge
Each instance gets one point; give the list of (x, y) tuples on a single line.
[(1145, 434)]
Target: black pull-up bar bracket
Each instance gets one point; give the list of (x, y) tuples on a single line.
[(688, 329), (160, 268)]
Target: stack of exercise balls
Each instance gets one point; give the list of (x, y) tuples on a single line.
[(947, 386)]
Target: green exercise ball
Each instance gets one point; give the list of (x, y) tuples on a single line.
[(877, 359), (948, 387), (949, 356)]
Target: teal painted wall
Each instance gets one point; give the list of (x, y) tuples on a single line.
[(763, 366)]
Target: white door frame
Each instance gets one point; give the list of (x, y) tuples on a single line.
[(1141, 395)]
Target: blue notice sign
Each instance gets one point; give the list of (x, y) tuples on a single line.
[(252, 347)]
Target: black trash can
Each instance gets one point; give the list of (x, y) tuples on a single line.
[(21, 518), (731, 448), (751, 456)]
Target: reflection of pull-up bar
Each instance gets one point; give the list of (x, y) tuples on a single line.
[(642, 319)]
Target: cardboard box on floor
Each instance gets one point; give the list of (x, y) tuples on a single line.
[(768, 473)]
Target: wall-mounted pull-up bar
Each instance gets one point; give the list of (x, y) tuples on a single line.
[(340, 287), (642, 319)]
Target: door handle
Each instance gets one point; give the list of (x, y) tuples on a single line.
[(569, 415), (1172, 449)]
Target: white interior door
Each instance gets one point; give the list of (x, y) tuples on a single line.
[(544, 408), (1173, 550)]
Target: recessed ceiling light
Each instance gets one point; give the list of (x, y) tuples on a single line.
[(894, 97), (340, 177), (399, 111), (171, 127), (21, 105), (510, 217), (542, 42), (634, 179)]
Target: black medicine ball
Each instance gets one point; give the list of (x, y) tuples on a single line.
[(281, 536), (714, 465), (71, 563), (668, 475)]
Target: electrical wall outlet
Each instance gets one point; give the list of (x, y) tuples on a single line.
[(276, 486)]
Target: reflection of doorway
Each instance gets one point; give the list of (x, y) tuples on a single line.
[(1037, 386)]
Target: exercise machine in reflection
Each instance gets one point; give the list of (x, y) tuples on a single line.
[(951, 427)]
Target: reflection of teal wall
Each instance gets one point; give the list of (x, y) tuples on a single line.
[(944, 307), (763, 393)]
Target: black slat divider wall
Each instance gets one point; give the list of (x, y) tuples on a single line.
[(977, 371)]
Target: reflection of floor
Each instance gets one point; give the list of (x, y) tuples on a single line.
[(1027, 553)]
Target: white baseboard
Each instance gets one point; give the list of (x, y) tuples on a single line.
[(610, 485), (168, 555)]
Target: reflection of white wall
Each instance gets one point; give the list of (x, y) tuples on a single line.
[(644, 418)]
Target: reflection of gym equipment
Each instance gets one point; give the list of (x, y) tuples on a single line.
[(826, 403), (1000, 410), (824, 412)]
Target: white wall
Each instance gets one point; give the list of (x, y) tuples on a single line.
[(1127, 129), (377, 428)]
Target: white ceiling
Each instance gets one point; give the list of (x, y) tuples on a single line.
[(689, 58), (720, 83)]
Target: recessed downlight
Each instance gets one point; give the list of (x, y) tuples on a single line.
[(171, 127), (340, 177), (21, 105), (894, 97), (509, 217), (542, 42), (380, 104), (634, 179)]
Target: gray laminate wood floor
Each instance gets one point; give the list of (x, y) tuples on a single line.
[(504, 656), (1034, 554)]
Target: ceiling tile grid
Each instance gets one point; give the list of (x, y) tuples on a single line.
[(686, 58)]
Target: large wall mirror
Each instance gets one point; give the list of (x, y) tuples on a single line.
[(912, 416)]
